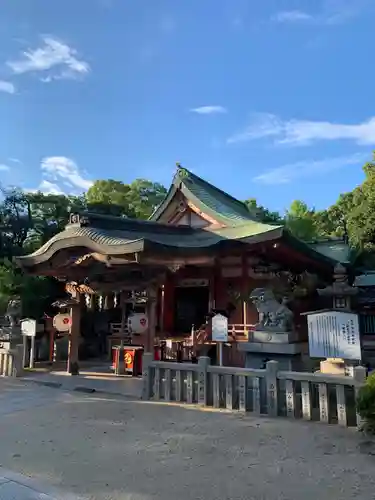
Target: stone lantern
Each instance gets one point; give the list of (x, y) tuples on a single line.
[(342, 295), (340, 291)]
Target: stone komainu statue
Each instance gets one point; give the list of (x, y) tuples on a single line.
[(14, 311), (273, 315)]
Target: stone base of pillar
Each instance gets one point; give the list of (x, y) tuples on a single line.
[(73, 368)]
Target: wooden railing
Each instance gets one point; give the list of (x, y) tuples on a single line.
[(309, 396), (116, 329), (239, 331), (236, 332), (11, 362)]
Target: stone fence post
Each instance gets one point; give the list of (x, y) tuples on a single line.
[(203, 392), (272, 367), (359, 376), (148, 358), (18, 368)]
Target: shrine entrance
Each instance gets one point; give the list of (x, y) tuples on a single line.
[(191, 307)]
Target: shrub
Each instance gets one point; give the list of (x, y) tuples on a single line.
[(366, 404)]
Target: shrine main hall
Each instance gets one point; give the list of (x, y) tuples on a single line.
[(201, 251)]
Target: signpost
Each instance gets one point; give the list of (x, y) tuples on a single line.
[(220, 333), (28, 329)]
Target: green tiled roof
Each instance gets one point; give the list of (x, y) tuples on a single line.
[(101, 234), (208, 198), (337, 250), (117, 241), (117, 235)]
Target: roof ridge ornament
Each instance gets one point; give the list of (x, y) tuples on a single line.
[(182, 172)]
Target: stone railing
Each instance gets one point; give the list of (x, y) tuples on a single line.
[(309, 396), (11, 362)]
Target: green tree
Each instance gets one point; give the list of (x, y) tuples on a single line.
[(110, 197), (262, 213), (15, 222), (37, 292), (49, 214), (299, 219), (145, 196), (361, 219), (137, 199)]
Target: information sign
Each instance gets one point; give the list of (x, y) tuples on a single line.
[(219, 328)]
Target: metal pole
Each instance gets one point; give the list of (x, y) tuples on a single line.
[(220, 354), (24, 355), (32, 352)]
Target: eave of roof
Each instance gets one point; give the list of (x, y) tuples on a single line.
[(153, 238), (137, 236)]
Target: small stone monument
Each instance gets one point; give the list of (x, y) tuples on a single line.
[(274, 337)]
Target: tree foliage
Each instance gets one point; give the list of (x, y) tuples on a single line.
[(137, 199), (263, 214)]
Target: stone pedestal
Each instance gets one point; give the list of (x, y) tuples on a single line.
[(12, 337), (337, 366), (285, 347)]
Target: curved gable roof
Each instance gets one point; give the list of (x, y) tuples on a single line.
[(208, 198)]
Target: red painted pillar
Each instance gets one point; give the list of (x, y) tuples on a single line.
[(220, 292), (244, 288), (213, 288)]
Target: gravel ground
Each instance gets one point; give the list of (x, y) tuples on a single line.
[(113, 448)]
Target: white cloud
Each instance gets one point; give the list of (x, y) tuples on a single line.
[(48, 187), (292, 171), (52, 55), (7, 87), (333, 12), (58, 170), (292, 16), (304, 132), (208, 110), (4, 168)]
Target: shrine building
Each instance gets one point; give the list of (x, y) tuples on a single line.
[(201, 251)]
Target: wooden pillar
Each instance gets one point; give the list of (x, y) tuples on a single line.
[(244, 289), (212, 285), (151, 316), (162, 308), (123, 296), (74, 337), (169, 304)]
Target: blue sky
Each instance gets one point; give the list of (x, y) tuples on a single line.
[(270, 99)]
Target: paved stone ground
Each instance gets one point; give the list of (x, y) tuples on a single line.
[(19, 487), (89, 379), (103, 447)]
